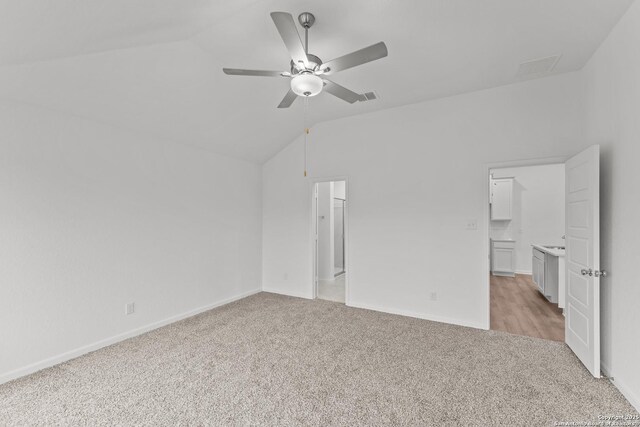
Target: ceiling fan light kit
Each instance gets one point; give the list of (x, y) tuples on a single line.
[(308, 72), (306, 84)]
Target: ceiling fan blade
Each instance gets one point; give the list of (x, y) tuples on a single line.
[(342, 92), (262, 73), (288, 99), (359, 57), (287, 29)]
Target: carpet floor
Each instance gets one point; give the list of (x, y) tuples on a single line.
[(276, 360)]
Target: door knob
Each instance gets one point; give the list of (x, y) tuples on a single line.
[(596, 273), (600, 273)]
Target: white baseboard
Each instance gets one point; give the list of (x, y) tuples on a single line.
[(72, 354), (528, 272), (419, 316), (503, 274), (633, 399), (287, 293)]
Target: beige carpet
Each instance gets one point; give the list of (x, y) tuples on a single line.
[(275, 360)]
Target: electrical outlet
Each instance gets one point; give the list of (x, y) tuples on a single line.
[(130, 308), (472, 224), (434, 296)]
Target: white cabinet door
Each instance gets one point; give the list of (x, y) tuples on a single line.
[(537, 265), (501, 199), (503, 258)]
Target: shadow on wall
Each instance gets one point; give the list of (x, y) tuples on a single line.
[(606, 242)]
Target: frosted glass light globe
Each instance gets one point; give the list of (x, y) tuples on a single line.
[(306, 84)]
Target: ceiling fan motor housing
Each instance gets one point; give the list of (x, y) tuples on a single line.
[(314, 63)]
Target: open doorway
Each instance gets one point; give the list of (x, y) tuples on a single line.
[(330, 240), (527, 250), (578, 255)]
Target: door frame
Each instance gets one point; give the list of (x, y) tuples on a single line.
[(486, 219), (344, 228), (312, 234)]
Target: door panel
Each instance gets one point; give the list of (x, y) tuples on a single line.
[(582, 322), (578, 324), (580, 253), (579, 289)]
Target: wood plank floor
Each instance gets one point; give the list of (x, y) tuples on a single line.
[(518, 308)]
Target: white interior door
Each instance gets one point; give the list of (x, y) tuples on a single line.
[(582, 321)]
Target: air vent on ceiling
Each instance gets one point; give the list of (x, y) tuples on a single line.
[(538, 67), (370, 96)]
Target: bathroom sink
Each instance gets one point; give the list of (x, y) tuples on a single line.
[(554, 247)]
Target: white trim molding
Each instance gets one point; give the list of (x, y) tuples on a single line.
[(527, 272), (633, 399)]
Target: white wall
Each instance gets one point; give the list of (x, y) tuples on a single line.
[(538, 210), (416, 174), (325, 231), (612, 119), (92, 217)]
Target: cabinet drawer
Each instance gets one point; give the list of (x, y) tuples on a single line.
[(504, 245)]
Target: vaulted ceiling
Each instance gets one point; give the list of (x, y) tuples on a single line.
[(155, 66)]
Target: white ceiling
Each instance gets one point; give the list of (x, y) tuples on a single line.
[(155, 66)]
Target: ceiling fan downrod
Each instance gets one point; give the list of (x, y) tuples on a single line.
[(306, 19)]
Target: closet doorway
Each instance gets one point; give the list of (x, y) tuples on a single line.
[(330, 231)]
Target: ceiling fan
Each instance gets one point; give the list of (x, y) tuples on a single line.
[(308, 72)]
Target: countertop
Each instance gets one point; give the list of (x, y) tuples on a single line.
[(554, 252)]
